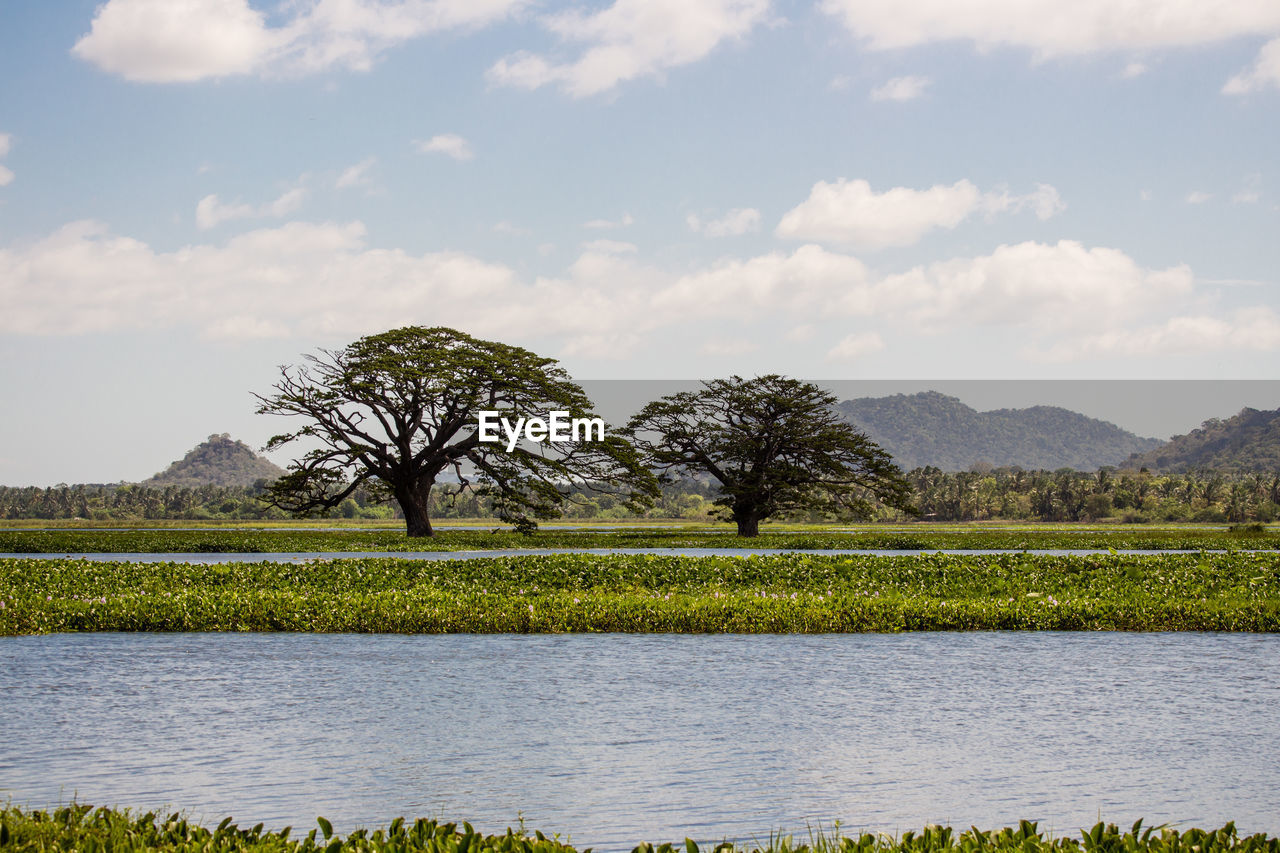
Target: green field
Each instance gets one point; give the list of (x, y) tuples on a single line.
[(804, 593), (81, 827), (217, 539)]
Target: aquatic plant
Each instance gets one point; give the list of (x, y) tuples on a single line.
[(215, 540), (85, 828), (790, 593)]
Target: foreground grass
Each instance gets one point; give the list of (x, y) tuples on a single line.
[(215, 540), (795, 593), (81, 827)]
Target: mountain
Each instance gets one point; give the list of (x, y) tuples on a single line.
[(220, 461), (1250, 442), (933, 429)]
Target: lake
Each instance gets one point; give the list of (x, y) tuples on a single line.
[(614, 739)]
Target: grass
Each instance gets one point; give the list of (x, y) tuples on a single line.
[(795, 593), (84, 828), (899, 537)]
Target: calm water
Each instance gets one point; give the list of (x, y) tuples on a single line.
[(613, 739)]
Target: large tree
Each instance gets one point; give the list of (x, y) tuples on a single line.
[(775, 445), (398, 410)]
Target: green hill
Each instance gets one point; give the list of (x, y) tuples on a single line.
[(220, 461), (1248, 442), (933, 429)]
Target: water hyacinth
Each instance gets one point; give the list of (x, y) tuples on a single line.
[(787, 593), (82, 827), (213, 540)]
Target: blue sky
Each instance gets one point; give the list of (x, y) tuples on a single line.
[(193, 192)]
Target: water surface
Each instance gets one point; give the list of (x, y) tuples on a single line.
[(614, 739)]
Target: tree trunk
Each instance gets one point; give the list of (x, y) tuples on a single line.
[(748, 522), (414, 503)]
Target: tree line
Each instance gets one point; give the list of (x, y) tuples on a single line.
[(1067, 495), (1007, 494)]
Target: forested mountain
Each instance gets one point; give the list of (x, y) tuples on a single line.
[(932, 429), (220, 461), (1248, 442)]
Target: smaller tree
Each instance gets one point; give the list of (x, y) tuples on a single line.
[(775, 444)]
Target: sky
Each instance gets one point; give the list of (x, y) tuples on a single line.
[(195, 192)]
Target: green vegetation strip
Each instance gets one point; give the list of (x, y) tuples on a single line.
[(628, 593), (275, 541), (84, 828)]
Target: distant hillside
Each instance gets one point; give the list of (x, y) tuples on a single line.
[(933, 429), (1250, 441), (220, 461)]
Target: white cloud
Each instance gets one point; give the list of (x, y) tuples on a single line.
[(298, 278), (611, 346), (730, 347), (1059, 288), (211, 212), (851, 213), (1197, 197), (1256, 330), (176, 41), (901, 89), (324, 281), (1056, 292), (449, 144), (1264, 74), (853, 347), (805, 280), (1051, 28), (605, 224), (739, 221), (173, 41), (840, 83), (1134, 69), (287, 203), (628, 40), (611, 247), (1044, 201), (356, 175), (6, 175)]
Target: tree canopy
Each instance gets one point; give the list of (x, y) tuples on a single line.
[(399, 410), (775, 445)]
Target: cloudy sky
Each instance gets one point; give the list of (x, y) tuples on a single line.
[(193, 192)]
